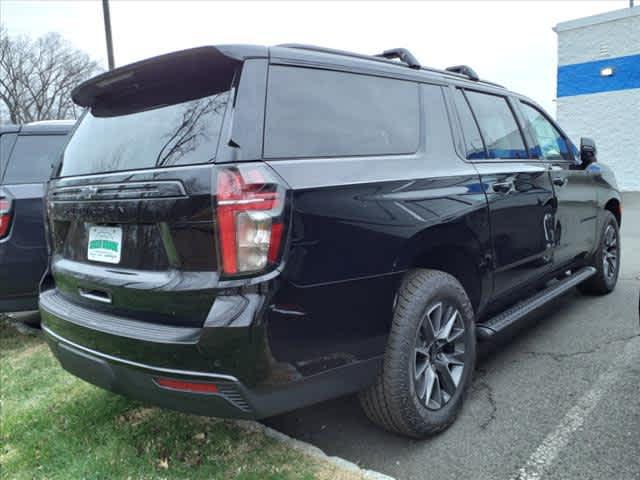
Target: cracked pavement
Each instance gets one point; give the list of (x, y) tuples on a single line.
[(523, 388)]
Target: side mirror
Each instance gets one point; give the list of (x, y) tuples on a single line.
[(588, 151)]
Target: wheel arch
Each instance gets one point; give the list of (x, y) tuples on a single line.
[(456, 251), (615, 207)]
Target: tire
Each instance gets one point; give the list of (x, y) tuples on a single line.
[(29, 318), (405, 398), (606, 259)]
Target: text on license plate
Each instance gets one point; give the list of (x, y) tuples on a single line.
[(105, 244)]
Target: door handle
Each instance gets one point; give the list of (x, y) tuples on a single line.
[(560, 181), (503, 187)]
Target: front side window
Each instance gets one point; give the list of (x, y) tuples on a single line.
[(33, 158), (498, 125), (549, 142), (321, 113)]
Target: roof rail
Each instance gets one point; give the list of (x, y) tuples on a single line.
[(465, 70), (387, 56), (333, 51), (401, 54), (459, 71)]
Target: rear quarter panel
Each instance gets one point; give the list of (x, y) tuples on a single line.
[(23, 254)]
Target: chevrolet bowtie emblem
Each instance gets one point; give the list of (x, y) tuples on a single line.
[(88, 193)]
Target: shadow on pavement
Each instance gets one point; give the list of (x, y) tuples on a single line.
[(340, 427)]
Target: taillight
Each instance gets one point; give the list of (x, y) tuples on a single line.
[(250, 205), (5, 216)]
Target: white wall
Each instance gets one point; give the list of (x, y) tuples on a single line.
[(612, 118), (617, 37)]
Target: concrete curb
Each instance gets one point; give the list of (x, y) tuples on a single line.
[(310, 450)]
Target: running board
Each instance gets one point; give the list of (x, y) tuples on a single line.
[(504, 320)]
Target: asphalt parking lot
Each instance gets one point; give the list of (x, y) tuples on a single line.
[(560, 399)]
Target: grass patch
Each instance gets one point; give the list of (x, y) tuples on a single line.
[(55, 426)]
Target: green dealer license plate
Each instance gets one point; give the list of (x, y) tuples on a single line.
[(105, 244)]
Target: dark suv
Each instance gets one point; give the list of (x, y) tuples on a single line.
[(26, 156), (240, 231)]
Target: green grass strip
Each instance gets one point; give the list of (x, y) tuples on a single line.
[(55, 426)]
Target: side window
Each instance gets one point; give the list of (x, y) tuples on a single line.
[(472, 138), (438, 136), (550, 144), (320, 113), (6, 145), (499, 128), (32, 158)]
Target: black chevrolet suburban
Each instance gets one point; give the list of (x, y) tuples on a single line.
[(239, 231), (26, 156)]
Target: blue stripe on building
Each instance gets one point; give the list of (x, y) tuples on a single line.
[(585, 78)]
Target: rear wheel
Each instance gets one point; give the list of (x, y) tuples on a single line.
[(606, 260), (429, 360), (31, 318)]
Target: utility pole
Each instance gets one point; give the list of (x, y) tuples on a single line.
[(107, 32)]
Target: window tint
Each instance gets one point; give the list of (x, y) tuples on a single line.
[(472, 138), (32, 158), (498, 126), (317, 113), (6, 144), (550, 144)]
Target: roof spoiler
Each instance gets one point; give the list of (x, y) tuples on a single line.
[(176, 67)]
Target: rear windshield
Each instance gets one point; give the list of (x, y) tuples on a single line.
[(6, 145), (162, 112), (33, 158), (180, 134)]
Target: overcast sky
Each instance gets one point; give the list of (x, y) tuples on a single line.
[(507, 42)]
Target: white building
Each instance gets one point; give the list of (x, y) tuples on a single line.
[(599, 87)]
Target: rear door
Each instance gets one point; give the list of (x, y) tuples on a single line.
[(575, 226), (518, 190), (23, 252)]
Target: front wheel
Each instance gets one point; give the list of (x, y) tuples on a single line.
[(606, 259), (429, 360)]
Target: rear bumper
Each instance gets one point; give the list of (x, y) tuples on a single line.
[(119, 355), (137, 380)]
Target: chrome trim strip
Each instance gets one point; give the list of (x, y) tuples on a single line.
[(139, 187), (143, 366), (86, 294)]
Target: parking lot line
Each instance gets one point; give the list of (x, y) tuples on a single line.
[(552, 445)]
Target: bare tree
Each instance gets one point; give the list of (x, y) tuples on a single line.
[(36, 77), (194, 128)]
